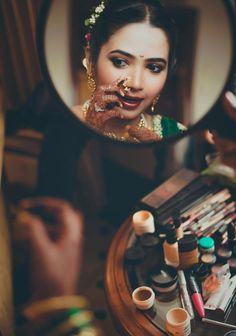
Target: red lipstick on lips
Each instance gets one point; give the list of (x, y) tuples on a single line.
[(129, 102), (196, 296)]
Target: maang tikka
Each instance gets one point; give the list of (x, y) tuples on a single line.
[(154, 104)]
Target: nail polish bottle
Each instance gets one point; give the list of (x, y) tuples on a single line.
[(170, 246)]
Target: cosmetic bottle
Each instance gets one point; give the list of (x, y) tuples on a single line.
[(170, 247), (178, 224), (188, 251)]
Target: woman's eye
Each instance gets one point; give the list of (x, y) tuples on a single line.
[(155, 68), (119, 62)]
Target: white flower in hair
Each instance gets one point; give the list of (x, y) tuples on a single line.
[(96, 13)]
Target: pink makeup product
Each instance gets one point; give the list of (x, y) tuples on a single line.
[(196, 296)]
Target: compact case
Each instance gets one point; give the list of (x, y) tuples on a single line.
[(164, 283)]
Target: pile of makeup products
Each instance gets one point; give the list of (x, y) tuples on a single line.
[(188, 254)]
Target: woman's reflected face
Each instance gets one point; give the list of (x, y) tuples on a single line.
[(140, 53)]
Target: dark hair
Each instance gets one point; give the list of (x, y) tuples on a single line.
[(118, 13)]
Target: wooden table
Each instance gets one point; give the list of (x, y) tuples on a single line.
[(127, 319)]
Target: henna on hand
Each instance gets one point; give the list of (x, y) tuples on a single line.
[(103, 102)]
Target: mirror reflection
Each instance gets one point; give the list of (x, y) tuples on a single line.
[(135, 70)]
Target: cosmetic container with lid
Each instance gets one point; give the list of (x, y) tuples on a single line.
[(170, 246), (208, 259), (206, 245), (143, 297), (188, 251), (143, 222), (164, 283), (178, 322), (223, 254)]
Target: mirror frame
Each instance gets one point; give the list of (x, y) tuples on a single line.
[(86, 131)]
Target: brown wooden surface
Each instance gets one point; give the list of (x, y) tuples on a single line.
[(128, 320)]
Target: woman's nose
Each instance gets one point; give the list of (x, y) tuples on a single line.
[(135, 81)]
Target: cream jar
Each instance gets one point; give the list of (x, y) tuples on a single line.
[(143, 222)]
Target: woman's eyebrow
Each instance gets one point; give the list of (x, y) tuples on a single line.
[(122, 52), (125, 53), (156, 59)]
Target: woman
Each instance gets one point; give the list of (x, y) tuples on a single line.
[(129, 56)]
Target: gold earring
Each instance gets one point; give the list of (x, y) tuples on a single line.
[(154, 104), (91, 82)]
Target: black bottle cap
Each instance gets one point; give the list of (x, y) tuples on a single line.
[(176, 218), (170, 233), (188, 243), (193, 286)]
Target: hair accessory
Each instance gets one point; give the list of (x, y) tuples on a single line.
[(87, 38), (90, 22)]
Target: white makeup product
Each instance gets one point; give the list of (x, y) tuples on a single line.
[(184, 295), (178, 322), (143, 222), (143, 297)]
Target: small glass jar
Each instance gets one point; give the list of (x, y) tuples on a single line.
[(188, 251), (206, 245)]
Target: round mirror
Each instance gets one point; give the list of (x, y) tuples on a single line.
[(136, 73)]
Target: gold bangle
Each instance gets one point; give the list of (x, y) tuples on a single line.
[(53, 304)]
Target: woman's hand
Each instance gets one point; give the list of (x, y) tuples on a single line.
[(54, 232), (227, 147), (142, 134), (103, 104)]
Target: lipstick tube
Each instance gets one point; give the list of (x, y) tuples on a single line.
[(196, 296)]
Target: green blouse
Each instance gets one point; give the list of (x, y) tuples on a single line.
[(165, 127)]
